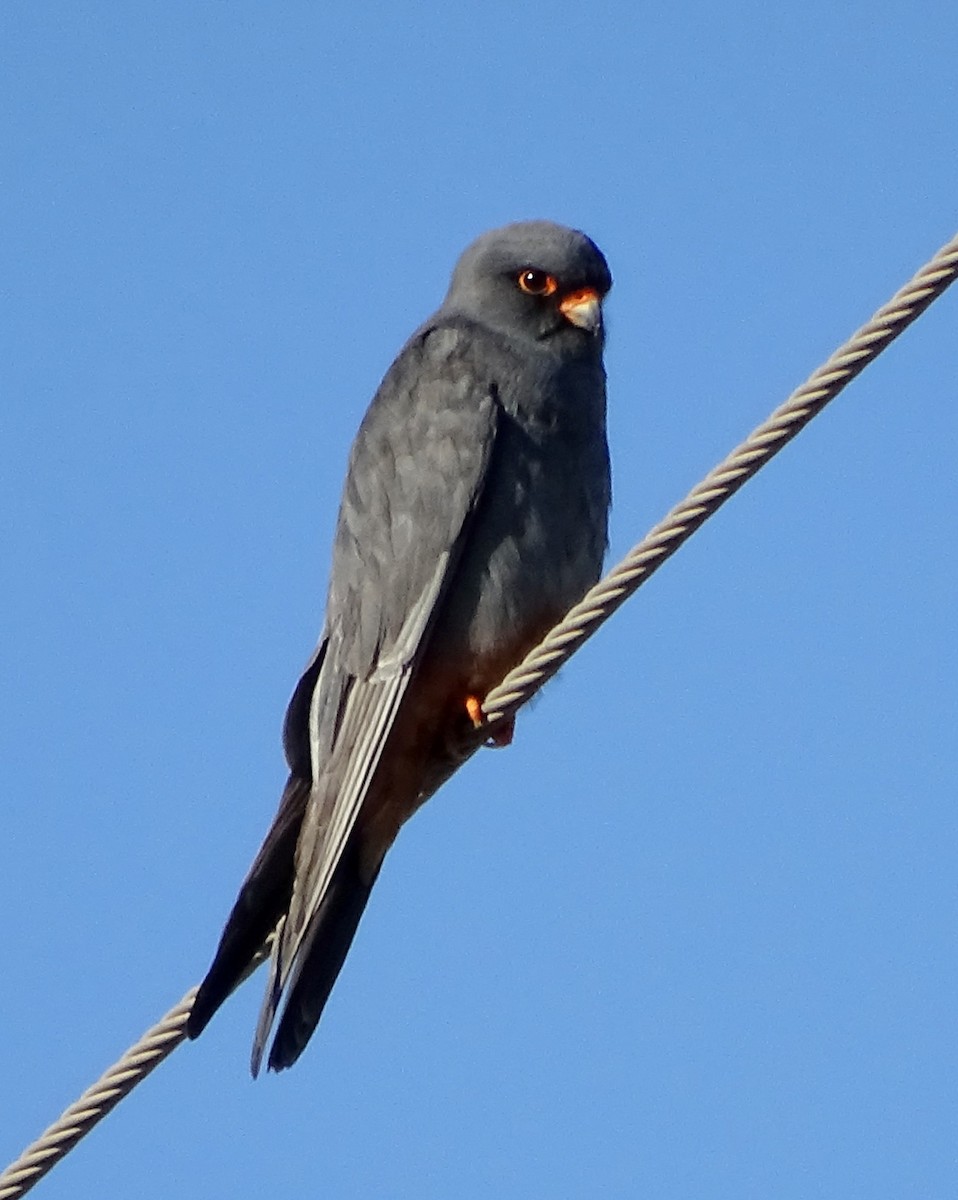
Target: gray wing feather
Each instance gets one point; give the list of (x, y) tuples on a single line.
[(415, 477)]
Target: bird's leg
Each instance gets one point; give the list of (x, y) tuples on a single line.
[(503, 733)]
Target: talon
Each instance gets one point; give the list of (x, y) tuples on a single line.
[(503, 734), (504, 731)]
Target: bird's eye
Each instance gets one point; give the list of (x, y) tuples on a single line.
[(536, 283)]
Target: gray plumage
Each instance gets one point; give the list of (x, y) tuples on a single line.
[(473, 516)]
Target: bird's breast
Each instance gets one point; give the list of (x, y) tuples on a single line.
[(535, 546)]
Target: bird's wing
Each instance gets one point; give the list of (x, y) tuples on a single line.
[(415, 478)]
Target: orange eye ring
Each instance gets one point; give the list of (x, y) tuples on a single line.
[(534, 282)]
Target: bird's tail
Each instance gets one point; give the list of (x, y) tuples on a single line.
[(320, 960), (262, 900)]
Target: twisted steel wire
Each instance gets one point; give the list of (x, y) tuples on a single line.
[(582, 620), (99, 1099), (144, 1056)]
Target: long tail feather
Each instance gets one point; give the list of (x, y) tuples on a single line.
[(320, 959), (262, 900)]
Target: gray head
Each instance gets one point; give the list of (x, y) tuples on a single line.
[(534, 279)]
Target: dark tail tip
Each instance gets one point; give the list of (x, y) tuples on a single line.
[(322, 958), (262, 900)]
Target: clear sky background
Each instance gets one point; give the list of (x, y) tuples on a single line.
[(694, 934)]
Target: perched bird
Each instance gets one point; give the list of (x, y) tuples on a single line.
[(473, 516)]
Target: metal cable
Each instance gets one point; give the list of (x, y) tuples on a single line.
[(100, 1098), (77, 1121), (546, 659), (541, 663)]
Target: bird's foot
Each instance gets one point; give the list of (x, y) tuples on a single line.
[(503, 734), (504, 731)]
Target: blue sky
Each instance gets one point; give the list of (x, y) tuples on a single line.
[(694, 934)]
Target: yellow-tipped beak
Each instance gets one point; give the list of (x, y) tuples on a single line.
[(583, 308)]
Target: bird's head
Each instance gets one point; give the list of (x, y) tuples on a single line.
[(534, 279)]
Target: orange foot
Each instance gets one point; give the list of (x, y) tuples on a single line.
[(503, 733)]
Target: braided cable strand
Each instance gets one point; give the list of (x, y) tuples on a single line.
[(77, 1121), (541, 663), (545, 660), (102, 1097)]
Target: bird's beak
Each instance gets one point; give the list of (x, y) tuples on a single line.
[(583, 308)]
